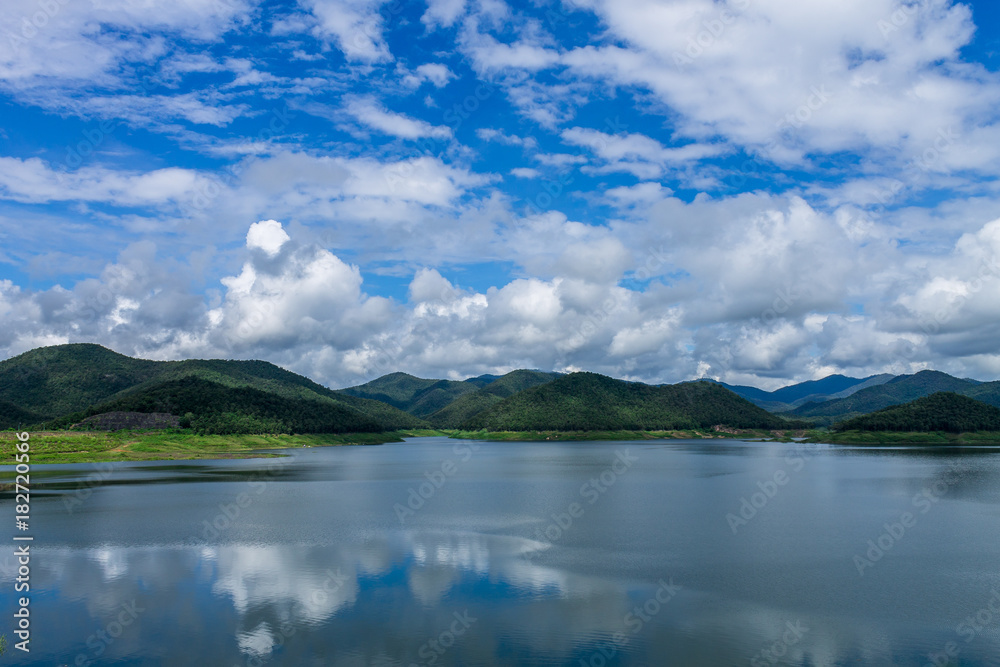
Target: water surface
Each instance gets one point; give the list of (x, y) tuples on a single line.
[(447, 552)]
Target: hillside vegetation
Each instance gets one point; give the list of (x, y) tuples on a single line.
[(942, 411), (470, 404), (592, 402), (12, 416), (209, 407), (901, 389), (414, 395), (55, 382), (987, 392), (792, 396)]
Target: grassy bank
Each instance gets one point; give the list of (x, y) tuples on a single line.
[(94, 446), (906, 438), (694, 434)]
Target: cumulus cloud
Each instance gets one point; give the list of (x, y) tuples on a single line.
[(439, 75), (303, 306), (759, 211), (267, 235)]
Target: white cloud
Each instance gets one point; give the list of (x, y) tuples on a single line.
[(525, 172), (443, 12), (500, 137), (636, 153), (788, 84), (60, 47), (32, 180), (491, 56), (267, 235), (760, 301), (355, 26), (368, 112), (436, 73)]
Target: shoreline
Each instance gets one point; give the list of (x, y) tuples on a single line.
[(69, 447), (62, 447)]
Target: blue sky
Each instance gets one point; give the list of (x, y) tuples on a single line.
[(760, 191)]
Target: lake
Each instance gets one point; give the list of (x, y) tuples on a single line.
[(448, 552)]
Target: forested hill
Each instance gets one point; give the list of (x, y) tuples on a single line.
[(942, 411), (55, 382), (417, 396), (899, 390), (592, 402), (209, 407), (470, 404)]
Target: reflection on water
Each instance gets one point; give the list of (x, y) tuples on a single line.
[(521, 553)]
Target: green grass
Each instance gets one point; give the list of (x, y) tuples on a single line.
[(905, 438), (94, 446)]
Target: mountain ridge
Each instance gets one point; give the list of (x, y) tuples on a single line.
[(589, 401), (54, 382)]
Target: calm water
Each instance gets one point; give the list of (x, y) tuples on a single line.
[(449, 552)]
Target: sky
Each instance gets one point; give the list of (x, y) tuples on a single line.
[(757, 191)]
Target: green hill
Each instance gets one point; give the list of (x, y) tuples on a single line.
[(53, 382), (414, 395), (209, 407), (592, 402), (788, 398), (901, 389), (987, 392), (468, 405), (11, 416), (942, 411)]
